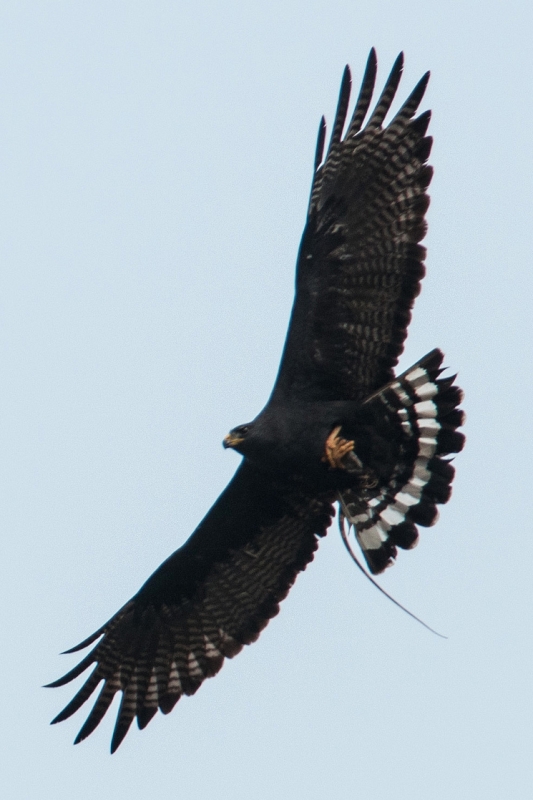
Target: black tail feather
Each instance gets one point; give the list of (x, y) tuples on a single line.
[(417, 415)]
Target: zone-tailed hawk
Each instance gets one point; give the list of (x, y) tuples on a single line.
[(338, 425)]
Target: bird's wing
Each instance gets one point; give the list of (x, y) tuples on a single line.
[(211, 597), (360, 262)]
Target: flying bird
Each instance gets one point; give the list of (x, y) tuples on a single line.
[(339, 426)]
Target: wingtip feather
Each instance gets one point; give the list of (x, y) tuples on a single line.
[(388, 93), (86, 642), (342, 107), (415, 98), (321, 138), (365, 94), (73, 673), (121, 729)]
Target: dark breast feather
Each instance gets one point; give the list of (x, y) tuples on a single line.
[(203, 604), (360, 261)]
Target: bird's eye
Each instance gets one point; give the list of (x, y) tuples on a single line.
[(243, 429)]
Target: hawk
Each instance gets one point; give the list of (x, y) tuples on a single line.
[(338, 427)]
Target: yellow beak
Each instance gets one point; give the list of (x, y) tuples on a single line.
[(231, 440)]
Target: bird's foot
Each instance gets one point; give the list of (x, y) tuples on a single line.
[(336, 448)]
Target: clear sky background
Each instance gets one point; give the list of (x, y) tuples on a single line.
[(155, 163)]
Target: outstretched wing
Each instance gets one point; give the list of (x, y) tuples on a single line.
[(360, 261), (211, 597)]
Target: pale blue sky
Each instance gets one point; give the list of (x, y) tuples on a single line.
[(155, 165)]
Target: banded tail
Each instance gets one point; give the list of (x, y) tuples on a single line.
[(420, 415)]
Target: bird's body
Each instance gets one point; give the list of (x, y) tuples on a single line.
[(288, 439), (338, 424)]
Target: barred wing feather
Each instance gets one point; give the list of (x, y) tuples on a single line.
[(360, 261), (202, 605)]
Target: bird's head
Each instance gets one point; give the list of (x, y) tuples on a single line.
[(238, 437)]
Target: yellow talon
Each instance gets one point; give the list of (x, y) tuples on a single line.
[(336, 448)]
